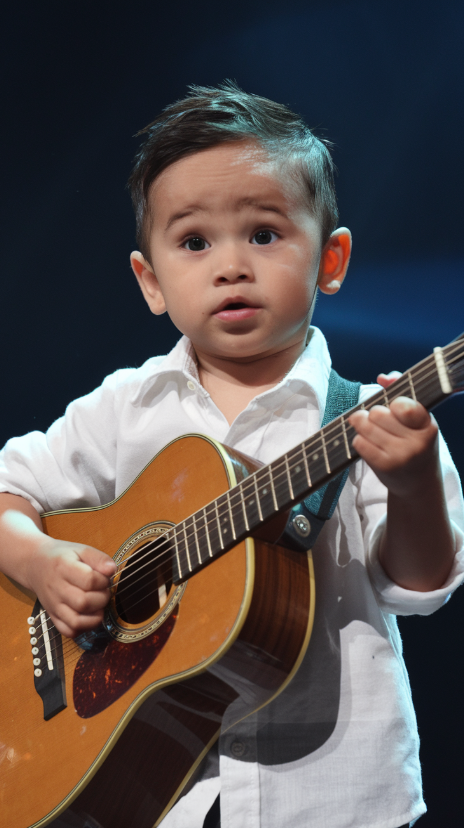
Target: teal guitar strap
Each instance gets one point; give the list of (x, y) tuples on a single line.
[(308, 518)]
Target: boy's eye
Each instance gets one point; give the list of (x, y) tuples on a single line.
[(264, 237), (196, 243)]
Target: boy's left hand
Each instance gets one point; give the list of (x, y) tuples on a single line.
[(399, 443)]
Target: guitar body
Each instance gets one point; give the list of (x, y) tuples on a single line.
[(143, 708)]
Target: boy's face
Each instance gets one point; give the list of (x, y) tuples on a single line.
[(235, 253)]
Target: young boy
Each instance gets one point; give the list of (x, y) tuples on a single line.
[(237, 227)]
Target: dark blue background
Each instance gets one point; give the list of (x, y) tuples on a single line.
[(382, 80)]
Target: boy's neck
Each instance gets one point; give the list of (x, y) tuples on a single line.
[(232, 384)]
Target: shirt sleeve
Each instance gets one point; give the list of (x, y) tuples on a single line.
[(73, 464), (391, 597)]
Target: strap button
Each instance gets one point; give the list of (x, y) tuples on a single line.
[(301, 525)]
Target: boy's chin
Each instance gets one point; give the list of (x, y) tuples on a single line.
[(238, 350)]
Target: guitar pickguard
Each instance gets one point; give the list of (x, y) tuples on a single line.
[(102, 676)]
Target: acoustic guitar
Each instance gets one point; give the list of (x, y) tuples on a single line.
[(208, 621)]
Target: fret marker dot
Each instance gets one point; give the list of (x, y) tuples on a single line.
[(315, 457), (264, 491), (298, 469), (336, 442), (251, 501)]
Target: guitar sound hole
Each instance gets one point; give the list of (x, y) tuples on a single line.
[(143, 587)]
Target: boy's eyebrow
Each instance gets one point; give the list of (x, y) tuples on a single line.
[(247, 201), (268, 206)]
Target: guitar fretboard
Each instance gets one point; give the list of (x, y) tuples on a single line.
[(233, 516)]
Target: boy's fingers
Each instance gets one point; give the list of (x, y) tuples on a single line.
[(403, 431), (386, 379), (71, 623), (97, 560), (76, 566), (410, 413), (403, 413), (85, 603)]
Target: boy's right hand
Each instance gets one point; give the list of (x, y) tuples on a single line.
[(72, 583)]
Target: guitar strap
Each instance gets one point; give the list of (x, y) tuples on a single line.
[(308, 518)]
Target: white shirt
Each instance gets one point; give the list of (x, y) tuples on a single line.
[(339, 747)]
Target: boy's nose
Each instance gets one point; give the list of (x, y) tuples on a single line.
[(232, 267)]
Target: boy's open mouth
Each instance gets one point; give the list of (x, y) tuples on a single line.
[(235, 311)]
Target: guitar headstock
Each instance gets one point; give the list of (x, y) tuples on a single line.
[(454, 357)]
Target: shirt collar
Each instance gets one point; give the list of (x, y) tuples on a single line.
[(310, 371)]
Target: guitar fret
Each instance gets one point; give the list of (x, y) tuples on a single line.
[(345, 437), (195, 533), (179, 568), (317, 460), (189, 564), (225, 520), (385, 396), (247, 508), (324, 449), (296, 469), (210, 552), (290, 487), (230, 516), (218, 524), (305, 460), (411, 385), (266, 494), (245, 516), (271, 478), (257, 498)]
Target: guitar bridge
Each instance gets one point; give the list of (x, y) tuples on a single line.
[(47, 653)]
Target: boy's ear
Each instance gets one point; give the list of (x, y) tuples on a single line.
[(148, 282), (335, 259)]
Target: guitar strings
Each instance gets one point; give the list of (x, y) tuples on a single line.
[(248, 483), (369, 404), (235, 495), (372, 401), (402, 381)]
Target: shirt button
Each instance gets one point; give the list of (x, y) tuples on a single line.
[(237, 749), (191, 385)]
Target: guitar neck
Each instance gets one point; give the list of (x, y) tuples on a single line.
[(233, 516)]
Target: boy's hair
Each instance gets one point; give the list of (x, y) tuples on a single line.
[(208, 117)]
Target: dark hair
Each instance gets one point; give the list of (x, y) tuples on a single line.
[(208, 117)]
